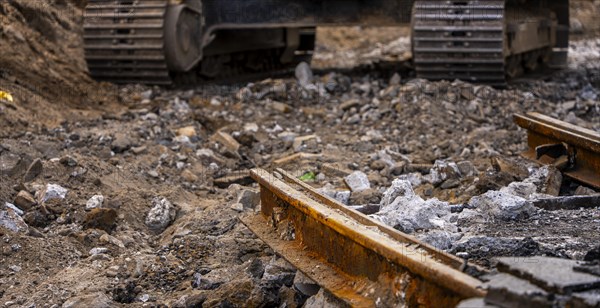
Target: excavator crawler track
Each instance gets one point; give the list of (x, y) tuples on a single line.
[(124, 44), (124, 41), (459, 39)]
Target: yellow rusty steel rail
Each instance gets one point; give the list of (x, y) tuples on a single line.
[(583, 145), (359, 260)]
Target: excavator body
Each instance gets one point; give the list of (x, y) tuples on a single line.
[(167, 42)]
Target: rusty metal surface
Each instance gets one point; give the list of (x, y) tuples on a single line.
[(354, 257), (583, 145)]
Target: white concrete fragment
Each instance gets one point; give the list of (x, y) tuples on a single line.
[(10, 220), (161, 215), (94, 202), (502, 205), (401, 208), (357, 181), (54, 191)]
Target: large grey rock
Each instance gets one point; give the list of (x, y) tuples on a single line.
[(551, 274), (501, 205), (161, 215)]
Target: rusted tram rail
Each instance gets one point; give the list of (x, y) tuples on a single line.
[(573, 149), (357, 259)]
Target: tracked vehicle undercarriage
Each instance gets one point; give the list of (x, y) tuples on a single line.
[(169, 42)]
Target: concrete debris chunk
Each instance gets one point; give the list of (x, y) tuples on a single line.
[(357, 181), (98, 250), (94, 202), (14, 208), (54, 192), (10, 220), (551, 274), (548, 179), (402, 209), (509, 291), (161, 215), (442, 171), (501, 205)]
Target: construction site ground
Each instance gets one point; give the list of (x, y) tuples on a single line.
[(130, 195)]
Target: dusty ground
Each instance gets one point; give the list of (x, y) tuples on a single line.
[(139, 146)]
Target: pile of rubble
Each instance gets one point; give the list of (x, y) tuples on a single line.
[(131, 195)]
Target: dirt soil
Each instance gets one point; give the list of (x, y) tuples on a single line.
[(166, 231)]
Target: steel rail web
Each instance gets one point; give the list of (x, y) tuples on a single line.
[(357, 259), (583, 144)]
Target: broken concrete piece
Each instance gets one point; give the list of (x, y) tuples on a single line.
[(509, 291), (521, 189), (439, 239), (402, 209), (502, 205), (551, 274), (548, 179), (54, 192), (94, 202), (161, 215), (10, 220), (442, 171), (357, 181), (13, 207)]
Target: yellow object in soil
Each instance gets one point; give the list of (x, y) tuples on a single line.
[(6, 96)]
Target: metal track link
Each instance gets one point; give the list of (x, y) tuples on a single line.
[(459, 39), (124, 41)]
